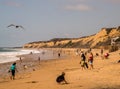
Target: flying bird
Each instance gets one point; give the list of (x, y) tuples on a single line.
[(16, 26)]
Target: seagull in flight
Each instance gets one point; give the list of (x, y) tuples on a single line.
[(16, 26)]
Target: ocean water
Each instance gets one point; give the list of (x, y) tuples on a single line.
[(9, 54)]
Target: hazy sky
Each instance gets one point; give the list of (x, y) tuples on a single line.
[(47, 19)]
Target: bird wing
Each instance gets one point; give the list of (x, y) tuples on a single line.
[(11, 25), (21, 27)]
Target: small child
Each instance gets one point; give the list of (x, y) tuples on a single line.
[(61, 78)]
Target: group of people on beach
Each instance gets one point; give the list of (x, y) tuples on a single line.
[(86, 62), (83, 61), (87, 58)]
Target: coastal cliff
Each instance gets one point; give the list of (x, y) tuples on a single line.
[(102, 38)]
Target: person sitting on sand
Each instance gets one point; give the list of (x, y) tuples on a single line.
[(106, 55), (61, 78), (25, 67)]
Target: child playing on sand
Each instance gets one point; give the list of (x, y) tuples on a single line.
[(61, 78)]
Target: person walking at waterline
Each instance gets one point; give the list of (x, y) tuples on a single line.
[(13, 69), (39, 60)]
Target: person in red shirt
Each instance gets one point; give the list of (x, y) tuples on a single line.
[(106, 55), (90, 60)]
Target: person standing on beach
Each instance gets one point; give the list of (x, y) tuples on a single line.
[(90, 60), (82, 62), (20, 60), (101, 51), (13, 70), (39, 60), (59, 54)]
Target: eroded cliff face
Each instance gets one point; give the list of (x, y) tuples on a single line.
[(102, 38)]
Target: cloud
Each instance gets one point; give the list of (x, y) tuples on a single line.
[(79, 7)]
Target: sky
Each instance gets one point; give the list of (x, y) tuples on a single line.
[(47, 19)]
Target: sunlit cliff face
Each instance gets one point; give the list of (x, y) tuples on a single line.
[(103, 36)]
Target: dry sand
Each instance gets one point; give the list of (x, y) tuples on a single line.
[(105, 75)]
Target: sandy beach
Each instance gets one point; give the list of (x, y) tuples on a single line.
[(105, 75)]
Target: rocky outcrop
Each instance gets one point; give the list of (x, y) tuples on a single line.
[(102, 38)]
